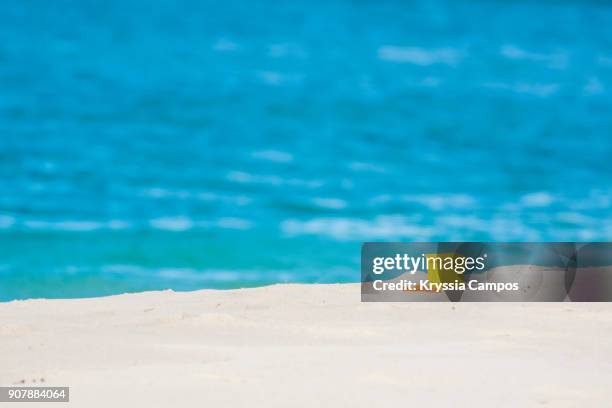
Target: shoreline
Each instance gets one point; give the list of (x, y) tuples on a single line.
[(306, 345)]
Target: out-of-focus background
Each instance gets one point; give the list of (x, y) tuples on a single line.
[(202, 144)]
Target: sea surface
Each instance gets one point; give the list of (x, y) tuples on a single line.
[(202, 144)]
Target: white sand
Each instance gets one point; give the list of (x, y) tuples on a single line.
[(310, 346)]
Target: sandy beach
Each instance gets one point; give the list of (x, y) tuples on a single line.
[(307, 345)]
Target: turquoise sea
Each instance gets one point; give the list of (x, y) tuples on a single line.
[(201, 144)]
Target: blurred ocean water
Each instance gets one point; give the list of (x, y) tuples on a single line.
[(194, 144)]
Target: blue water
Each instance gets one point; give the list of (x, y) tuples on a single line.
[(200, 144)]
